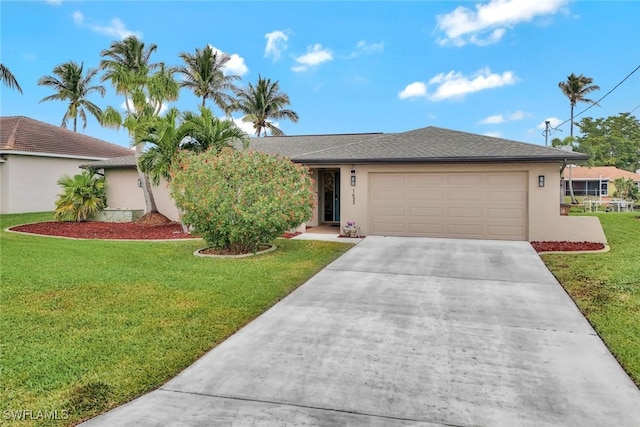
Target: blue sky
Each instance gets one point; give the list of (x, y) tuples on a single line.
[(488, 67)]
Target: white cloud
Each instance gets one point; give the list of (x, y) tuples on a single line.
[(54, 2), (499, 118), (413, 90), (276, 43), (235, 65), (553, 122), (493, 134), (364, 48), (116, 27), (490, 21), (492, 120), (247, 127), (163, 108), (455, 85), (315, 55)]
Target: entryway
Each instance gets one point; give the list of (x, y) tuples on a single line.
[(329, 196)]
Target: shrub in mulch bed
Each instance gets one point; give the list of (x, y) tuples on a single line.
[(566, 246)]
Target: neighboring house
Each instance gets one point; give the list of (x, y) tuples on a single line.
[(427, 182), (596, 180), (34, 155)]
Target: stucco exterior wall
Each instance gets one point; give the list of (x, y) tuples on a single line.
[(123, 192), (28, 183), (544, 220)]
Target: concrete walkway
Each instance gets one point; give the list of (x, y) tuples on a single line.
[(406, 332)]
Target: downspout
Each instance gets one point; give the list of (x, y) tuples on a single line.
[(562, 189)]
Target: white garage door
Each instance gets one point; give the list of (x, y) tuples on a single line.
[(460, 205)]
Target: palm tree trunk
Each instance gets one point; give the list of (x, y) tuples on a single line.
[(570, 181), (149, 199)]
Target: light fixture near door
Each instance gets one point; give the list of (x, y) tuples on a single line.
[(540, 180), (353, 175)]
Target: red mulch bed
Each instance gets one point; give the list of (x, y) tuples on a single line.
[(566, 246), (106, 230)]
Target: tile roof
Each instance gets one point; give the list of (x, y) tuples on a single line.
[(25, 135), (426, 145), (596, 172)]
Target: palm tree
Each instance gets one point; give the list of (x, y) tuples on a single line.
[(206, 132), (203, 74), (83, 195), (71, 85), (575, 88), (263, 102), (196, 133), (162, 134), (7, 77), (145, 87)]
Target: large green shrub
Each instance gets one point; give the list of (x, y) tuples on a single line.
[(238, 200), (83, 195)]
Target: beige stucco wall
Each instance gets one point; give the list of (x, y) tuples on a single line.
[(28, 183), (123, 192), (544, 220)]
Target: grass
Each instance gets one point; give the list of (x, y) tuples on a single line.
[(606, 287), (88, 325)]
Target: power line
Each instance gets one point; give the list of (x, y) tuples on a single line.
[(605, 95), (637, 106)]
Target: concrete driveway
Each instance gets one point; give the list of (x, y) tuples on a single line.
[(406, 332)]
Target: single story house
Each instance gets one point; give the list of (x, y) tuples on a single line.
[(426, 182), (34, 155), (596, 180)]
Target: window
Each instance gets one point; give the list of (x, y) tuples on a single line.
[(604, 188)]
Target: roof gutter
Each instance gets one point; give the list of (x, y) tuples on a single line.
[(427, 160)]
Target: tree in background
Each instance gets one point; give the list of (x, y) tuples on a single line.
[(614, 141), (146, 87), (262, 103), (626, 189), (576, 88), (203, 74), (72, 85), (8, 78)]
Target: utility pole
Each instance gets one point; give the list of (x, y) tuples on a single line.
[(546, 131)]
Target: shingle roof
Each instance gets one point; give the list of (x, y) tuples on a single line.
[(24, 135), (596, 172), (426, 145)]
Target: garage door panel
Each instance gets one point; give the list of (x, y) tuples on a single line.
[(424, 229), (467, 212), (506, 213), (389, 181), (426, 212), (466, 205), (469, 195), (425, 180), (467, 180), (505, 195), (425, 195), (463, 230)]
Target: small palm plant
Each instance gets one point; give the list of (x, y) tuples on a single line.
[(82, 196)]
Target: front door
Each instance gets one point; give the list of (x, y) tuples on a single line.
[(331, 196)]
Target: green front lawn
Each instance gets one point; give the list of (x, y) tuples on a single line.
[(606, 287), (88, 325)]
